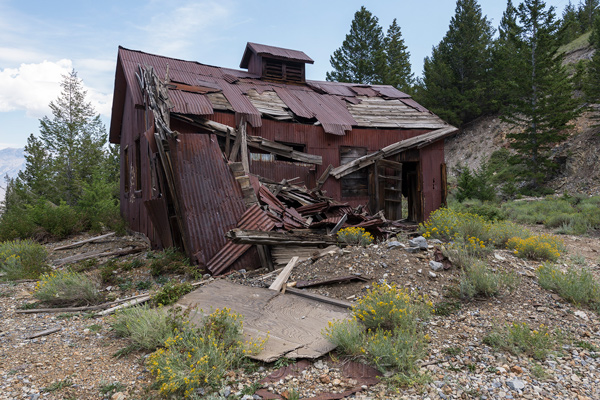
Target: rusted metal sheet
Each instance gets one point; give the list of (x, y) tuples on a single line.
[(190, 103), (211, 199), (157, 210), (255, 219), (241, 105)]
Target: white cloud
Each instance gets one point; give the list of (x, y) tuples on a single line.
[(11, 55), (31, 87), (183, 28)]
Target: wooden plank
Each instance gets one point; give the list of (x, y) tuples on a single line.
[(240, 236), (82, 242), (284, 275), (318, 297), (293, 324), (265, 257)]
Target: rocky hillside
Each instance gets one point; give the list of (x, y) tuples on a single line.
[(578, 156)]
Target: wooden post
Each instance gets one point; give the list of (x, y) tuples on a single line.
[(244, 145), (227, 143)]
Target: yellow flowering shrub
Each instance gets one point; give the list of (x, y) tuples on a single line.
[(386, 306), (542, 247), (355, 236), (22, 259), (470, 229), (385, 329), (199, 358)]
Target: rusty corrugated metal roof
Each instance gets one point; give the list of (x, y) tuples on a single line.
[(190, 103), (261, 49), (334, 105)]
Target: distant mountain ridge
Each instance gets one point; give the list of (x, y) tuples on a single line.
[(11, 162)]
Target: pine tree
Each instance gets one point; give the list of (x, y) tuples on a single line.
[(398, 70), (361, 59), (456, 76), (505, 59), (543, 105), (37, 175), (591, 82), (586, 14), (74, 138), (570, 27)]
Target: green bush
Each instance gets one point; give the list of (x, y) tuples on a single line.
[(168, 261), (478, 279), (22, 259), (170, 292), (347, 335), (146, 328), (575, 285), (67, 288), (489, 211), (520, 338), (398, 350), (59, 221)]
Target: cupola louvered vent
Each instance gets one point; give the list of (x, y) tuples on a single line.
[(275, 64)]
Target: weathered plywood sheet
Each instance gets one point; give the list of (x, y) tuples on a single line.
[(293, 324)]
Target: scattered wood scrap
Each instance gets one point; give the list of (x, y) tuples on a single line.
[(82, 242), (43, 333)]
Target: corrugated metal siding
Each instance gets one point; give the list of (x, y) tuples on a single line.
[(211, 199), (431, 158), (279, 170)]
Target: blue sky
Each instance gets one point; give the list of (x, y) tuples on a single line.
[(40, 40)]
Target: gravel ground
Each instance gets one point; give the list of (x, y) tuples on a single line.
[(459, 365)]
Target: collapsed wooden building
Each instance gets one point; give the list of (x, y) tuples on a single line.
[(200, 146)]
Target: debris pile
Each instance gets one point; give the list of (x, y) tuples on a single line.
[(287, 220)]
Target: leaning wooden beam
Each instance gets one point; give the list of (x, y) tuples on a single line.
[(255, 142), (82, 242), (77, 309), (130, 303), (97, 254), (284, 275), (43, 333), (393, 149), (323, 178), (240, 236), (318, 297)]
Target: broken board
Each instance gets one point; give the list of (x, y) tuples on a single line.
[(293, 324)]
